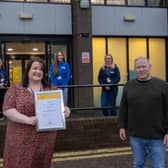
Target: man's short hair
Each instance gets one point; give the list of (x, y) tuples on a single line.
[(141, 58)]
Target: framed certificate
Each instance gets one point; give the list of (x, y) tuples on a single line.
[(49, 109)]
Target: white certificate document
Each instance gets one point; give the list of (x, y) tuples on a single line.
[(49, 109)]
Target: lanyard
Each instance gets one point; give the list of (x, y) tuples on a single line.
[(32, 91)]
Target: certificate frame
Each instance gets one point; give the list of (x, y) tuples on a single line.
[(49, 109)]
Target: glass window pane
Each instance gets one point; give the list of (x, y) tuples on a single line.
[(156, 3), (36, 0), (15, 71), (136, 2), (157, 57), (117, 48), (97, 1), (99, 51), (56, 48), (61, 1), (115, 2), (137, 48), (15, 0)]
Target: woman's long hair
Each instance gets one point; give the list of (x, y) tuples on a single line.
[(29, 64), (55, 69), (2, 66)]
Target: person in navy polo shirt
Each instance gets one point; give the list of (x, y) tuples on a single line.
[(109, 74)]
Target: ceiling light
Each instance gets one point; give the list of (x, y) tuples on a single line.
[(35, 49), (10, 49)]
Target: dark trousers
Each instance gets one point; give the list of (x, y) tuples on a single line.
[(108, 98), (2, 93)]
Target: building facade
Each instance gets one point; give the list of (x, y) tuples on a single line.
[(85, 31)]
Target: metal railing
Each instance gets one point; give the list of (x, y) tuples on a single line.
[(78, 86), (88, 86)]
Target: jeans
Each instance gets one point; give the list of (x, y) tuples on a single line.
[(153, 148), (65, 95), (108, 98)]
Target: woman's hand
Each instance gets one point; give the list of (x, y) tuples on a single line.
[(31, 120), (107, 88), (1, 85), (67, 111), (15, 116)]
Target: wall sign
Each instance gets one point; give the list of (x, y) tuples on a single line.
[(85, 57)]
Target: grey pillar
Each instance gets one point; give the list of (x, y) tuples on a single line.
[(82, 54)]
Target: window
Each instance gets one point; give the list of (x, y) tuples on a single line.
[(120, 59), (114, 48), (61, 1), (36, 0), (97, 1), (136, 2), (157, 57), (115, 2), (137, 47), (56, 1), (99, 51), (157, 3), (15, 0)]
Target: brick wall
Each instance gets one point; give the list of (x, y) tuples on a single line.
[(83, 133), (89, 133)]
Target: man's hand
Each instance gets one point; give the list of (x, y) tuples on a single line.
[(67, 111), (123, 134), (165, 141)]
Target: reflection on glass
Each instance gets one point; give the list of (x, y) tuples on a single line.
[(115, 2), (97, 1), (136, 2), (61, 1)]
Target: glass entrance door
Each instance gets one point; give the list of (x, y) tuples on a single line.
[(54, 48), (18, 54)]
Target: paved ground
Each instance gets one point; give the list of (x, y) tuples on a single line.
[(107, 162), (100, 158)]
